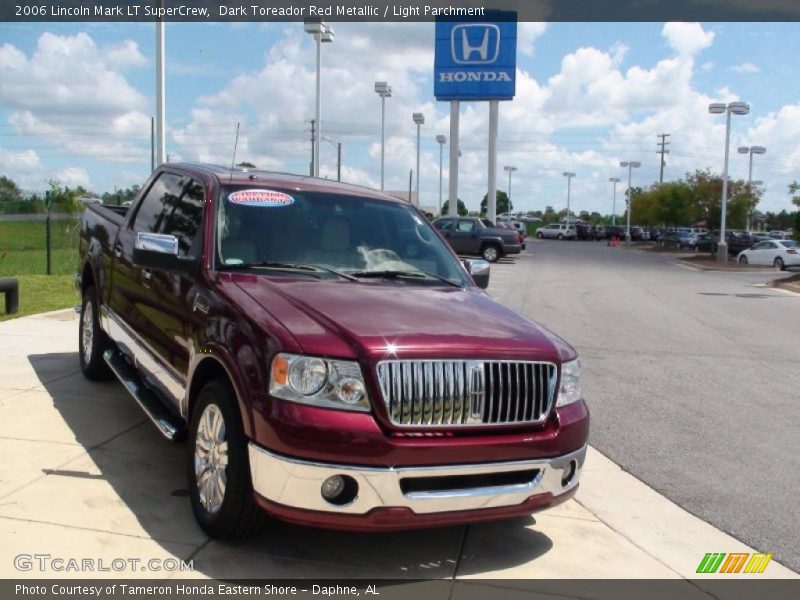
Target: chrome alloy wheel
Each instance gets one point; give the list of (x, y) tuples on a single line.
[(211, 459), (87, 331)]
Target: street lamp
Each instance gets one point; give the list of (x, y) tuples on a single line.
[(442, 139), (718, 108), (384, 90), (338, 156), (509, 169), (751, 150), (419, 119), (322, 34), (630, 164), (569, 177), (615, 181)]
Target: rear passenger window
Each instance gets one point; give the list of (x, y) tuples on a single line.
[(174, 206)]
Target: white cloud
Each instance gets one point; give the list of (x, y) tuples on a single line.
[(746, 67), (73, 177), (687, 39)]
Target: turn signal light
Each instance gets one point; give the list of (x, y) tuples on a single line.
[(280, 369)]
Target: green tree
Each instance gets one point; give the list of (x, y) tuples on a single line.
[(246, 165), (461, 208), (503, 204)]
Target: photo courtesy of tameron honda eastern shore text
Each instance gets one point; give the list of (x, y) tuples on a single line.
[(325, 355)]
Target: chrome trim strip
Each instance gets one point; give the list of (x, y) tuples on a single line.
[(144, 359), (471, 392), (296, 483)]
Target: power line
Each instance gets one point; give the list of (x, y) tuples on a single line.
[(664, 143)]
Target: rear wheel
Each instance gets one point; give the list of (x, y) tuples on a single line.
[(490, 253), (779, 264), (539, 235), (220, 487), (560, 236), (742, 260), (92, 341)]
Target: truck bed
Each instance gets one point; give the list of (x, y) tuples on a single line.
[(113, 214)]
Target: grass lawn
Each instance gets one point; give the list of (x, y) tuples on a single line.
[(23, 256), (42, 293)]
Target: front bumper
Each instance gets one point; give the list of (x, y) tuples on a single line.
[(512, 248), (412, 496)]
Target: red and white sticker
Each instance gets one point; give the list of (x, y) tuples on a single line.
[(260, 197)]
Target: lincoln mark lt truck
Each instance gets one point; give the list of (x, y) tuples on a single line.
[(325, 355)]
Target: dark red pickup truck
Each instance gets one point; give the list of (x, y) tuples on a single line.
[(328, 358)]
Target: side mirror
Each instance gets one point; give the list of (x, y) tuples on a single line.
[(160, 251), (479, 270)]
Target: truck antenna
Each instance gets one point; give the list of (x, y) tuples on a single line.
[(233, 160)]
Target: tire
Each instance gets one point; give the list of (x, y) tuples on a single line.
[(231, 513), (742, 260), (539, 235), (560, 236), (779, 264), (490, 253), (92, 341)]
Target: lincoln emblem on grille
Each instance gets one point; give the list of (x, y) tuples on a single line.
[(475, 388)]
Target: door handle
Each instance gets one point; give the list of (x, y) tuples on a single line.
[(117, 252), (147, 274)]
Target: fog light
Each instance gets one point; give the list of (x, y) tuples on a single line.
[(332, 487), (569, 473)]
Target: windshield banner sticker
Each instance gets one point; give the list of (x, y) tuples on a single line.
[(260, 197)]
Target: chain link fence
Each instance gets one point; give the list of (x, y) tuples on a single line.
[(35, 244)]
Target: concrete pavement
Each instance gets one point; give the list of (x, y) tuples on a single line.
[(86, 476)]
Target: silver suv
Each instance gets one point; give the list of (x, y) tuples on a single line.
[(557, 231)]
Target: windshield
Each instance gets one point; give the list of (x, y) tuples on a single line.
[(338, 234)]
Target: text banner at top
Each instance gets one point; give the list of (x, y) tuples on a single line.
[(396, 11)]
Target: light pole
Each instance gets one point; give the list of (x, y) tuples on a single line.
[(321, 33), (442, 139), (419, 119), (631, 164), (338, 156), (751, 150), (615, 181), (384, 90), (717, 108), (509, 169), (569, 175)]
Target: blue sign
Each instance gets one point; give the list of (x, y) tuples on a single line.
[(476, 60)]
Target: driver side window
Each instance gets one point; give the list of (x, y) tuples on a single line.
[(466, 226)]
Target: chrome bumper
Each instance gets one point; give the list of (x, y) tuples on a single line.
[(296, 483)]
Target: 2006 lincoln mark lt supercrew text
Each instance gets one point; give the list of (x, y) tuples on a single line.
[(329, 359)]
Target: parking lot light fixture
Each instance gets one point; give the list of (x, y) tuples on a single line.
[(321, 34), (569, 175), (509, 169), (442, 140), (615, 181), (630, 165), (419, 120), (718, 108), (384, 90), (751, 150)]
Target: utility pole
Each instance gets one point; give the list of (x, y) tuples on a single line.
[(313, 144), (663, 143), (338, 161)]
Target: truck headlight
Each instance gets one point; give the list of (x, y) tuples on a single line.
[(570, 390), (319, 382)]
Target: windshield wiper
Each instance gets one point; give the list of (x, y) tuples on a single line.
[(387, 274), (270, 264)]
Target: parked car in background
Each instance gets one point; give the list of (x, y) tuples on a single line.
[(778, 253), (584, 231), (510, 226), (615, 231), (471, 235), (557, 231), (599, 232), (677, 239), (520, 226), (637, 234), (736, 240), (760, 236), (704, 243)]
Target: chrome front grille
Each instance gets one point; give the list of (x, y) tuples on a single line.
[(435, 393)]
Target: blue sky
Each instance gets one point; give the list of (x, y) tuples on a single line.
[(76, 102)]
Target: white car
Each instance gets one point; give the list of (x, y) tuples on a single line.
[(778, 253), (557, 231)]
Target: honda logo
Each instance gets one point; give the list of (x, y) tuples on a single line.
[(475, 44)]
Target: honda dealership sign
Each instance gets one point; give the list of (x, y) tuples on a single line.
[(476, 60)]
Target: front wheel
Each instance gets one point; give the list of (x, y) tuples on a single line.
[(220, 487), (490, 254), (779, 264), (92, 341), (539, 235), (742, 260), (560, 236)]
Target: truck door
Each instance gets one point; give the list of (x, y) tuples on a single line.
[(465, 237)]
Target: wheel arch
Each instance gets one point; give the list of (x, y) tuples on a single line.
[(209, 368)]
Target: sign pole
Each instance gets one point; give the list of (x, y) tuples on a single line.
[(491, 196), (452, 198)]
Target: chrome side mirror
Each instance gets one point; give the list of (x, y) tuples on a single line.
[(156, 242), (479, 270)]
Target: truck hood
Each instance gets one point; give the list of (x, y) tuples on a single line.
[(376, 320)]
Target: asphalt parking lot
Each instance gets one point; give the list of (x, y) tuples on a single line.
[(85, 475), (692, 377)]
